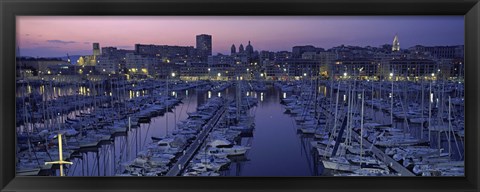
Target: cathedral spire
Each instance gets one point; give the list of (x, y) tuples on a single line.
[(240, 49), (233, 50), (396, 44)]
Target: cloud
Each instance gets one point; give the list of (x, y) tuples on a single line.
[(60, 41), (27, 34), (86, 43), (47, 47)]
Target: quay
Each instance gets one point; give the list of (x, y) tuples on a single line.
[(182, 162)]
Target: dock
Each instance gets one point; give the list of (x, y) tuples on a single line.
[(384, 157), (182, 162)]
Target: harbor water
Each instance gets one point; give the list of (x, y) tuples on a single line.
[(277, 148)]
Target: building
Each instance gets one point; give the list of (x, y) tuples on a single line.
[(233, 50), (411, 69), (282, 55), (63, 69), (241, 49), (96, 50), (457, 70), (90, 60), (294, 68), (115, 52), (167, 53), (297, 51), (220, 59), (162, 70), (195, 71), (29, 66), (222, 72), (396, 44), (139, 64), (355, 68), (204, 46), (325, 58), (249, 50), (110, 65), (112, 60), (266, 58), (440, 52)]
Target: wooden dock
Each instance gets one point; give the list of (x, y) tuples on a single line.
[(384, 157), (182, 162)]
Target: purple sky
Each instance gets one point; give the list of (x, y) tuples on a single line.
[(49, 36)]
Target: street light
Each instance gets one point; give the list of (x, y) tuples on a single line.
[(219, 74), (173, 74), (208, 73)]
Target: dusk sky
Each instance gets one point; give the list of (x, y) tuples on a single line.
[(55, 36)]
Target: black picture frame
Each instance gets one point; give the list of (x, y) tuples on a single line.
[(10, 8)]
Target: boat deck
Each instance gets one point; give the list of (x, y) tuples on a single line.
[(384, 157), (182, 162)]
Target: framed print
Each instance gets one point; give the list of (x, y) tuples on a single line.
[(255, 95)]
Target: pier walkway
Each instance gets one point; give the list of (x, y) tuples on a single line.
[(380, 154), (193, 148), (384, 157)]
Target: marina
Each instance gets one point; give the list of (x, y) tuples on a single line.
[(162, 104), (143, 130)]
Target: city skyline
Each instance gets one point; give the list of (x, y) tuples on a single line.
[(150, 97), (47, 36)]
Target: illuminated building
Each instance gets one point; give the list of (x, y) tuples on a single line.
[(90, 60), (396, 44)]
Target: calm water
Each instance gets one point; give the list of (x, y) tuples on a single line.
[(277, 149)]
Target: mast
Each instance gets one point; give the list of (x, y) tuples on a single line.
[(373, 111), (449, 127), (334, 121), (391, 104), (361, 128), (430, 112), (422, 109), (166, 112), (60, 161)]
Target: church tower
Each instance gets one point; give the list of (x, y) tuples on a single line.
[(240, 49), (233, 50), (396, 44)]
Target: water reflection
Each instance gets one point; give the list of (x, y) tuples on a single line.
[(276, 148)]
